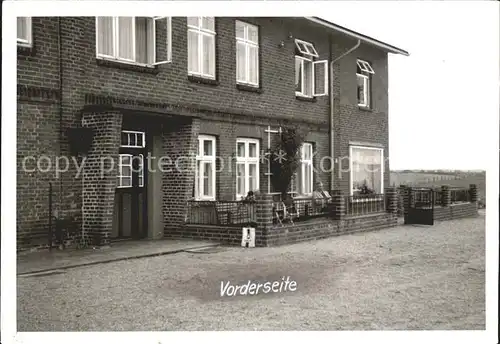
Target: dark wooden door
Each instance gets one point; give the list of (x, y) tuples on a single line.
[(130, 219), (421, 206)]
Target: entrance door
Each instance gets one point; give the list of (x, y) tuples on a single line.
[(130, 219), (421, 207)]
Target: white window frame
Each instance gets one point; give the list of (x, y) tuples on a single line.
[(200, 157), (28, 42), (308, 57), (382, 167), (309, 48), (142, 143), (140, 178), (120, 177), (115, 56), (366, 70), (305, 164), (247, 44), (200, 31), (246, 161), (365, 67)]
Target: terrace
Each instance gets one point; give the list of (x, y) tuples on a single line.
[(222, 220), (306, 218)]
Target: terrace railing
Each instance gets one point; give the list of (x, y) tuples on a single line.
[(460, 195), (225, 213), (438, 196), (444, 196), (300, 209), (359, 205)]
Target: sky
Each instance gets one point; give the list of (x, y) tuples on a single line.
[(444, 95)]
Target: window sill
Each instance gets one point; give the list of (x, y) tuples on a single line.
[(127, 66), (203, 80), (25, 49), (249, 88), (306, 99), (365, 108)]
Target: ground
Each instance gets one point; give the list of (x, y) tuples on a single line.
[(407, 277)]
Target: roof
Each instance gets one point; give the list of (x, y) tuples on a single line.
[(369, 40)]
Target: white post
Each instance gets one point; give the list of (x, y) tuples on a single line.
[(269, 131), (268, 161)]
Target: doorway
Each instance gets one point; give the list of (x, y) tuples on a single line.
[(130, 209)]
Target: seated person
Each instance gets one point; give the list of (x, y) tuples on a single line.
[(320, 196)]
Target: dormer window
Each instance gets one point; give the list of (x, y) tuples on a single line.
[(363, 74), (311, 74)]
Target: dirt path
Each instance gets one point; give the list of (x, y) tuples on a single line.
[(399, 278)]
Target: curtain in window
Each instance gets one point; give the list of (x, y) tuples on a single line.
[(193, 53), (252, 177), (298, 75), (208, 54), (240, 179), (307, 78), (126, 38), (253, 60), (141, 36), (22, 28), (207, 179), (105, 35), (367, 169), (240, 61), (307, 168)]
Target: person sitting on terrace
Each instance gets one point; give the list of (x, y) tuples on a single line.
[(320, 195), (250, 197)]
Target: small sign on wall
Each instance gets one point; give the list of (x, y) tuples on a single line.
[(248, 237)]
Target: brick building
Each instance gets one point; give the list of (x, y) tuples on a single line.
[(156, 91)]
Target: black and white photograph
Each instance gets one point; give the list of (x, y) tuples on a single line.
[(233, 167)]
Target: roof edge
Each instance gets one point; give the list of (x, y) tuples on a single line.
[(357, 35)]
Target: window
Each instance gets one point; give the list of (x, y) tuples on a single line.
[(124, 171), (133, 139), (247, 166), (205, 168), (363, 74), (367, 170), (126, 168), (137, 40), (140, 177), (247, 53), (311, 76), (24, 31), (306, 169), (201, 46)]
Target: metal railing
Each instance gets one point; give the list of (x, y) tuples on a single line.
[(358, 205), (301, 209), (438, 196), (225, 213), (460, 195)]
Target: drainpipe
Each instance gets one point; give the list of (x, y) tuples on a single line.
[(332, 108), (59, 44)]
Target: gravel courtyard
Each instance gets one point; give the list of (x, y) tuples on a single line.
[(408, 277)]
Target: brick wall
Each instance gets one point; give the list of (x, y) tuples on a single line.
[(353, 124), (455, 211), (37, 141), (288, 234), (178, 178), (225, 110), (99, 176)]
